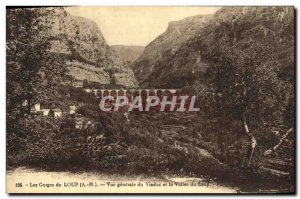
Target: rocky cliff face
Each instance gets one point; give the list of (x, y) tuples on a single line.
[(90, 58), (270, 28), (166, 45), (128, 53), (177, 57)]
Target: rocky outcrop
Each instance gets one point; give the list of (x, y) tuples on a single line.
[(90, 58), (128, 53)]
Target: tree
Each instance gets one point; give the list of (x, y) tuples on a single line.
[(33, 72), (244, 74)]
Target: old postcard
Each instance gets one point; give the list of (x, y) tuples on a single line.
[(162, 100)]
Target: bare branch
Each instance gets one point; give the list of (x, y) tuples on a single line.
[(269, 151)]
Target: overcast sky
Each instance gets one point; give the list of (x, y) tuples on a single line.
[(135, 25)]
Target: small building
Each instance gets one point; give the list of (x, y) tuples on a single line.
[(72, 109), (55, 113), (79, 123), (36, 107), (45, 112)]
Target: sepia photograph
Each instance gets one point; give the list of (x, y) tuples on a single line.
[(150, 99)]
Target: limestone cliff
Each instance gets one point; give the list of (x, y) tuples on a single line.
[(90, 58), (165, 45)]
